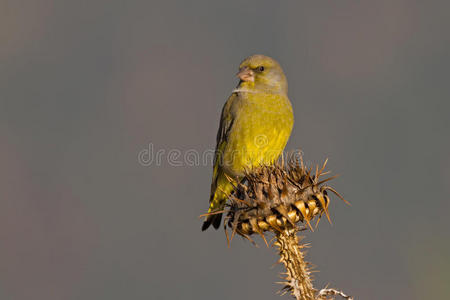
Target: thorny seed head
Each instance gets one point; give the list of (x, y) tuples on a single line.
[(277, 197)]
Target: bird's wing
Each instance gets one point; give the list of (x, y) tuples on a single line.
[(226, 123)]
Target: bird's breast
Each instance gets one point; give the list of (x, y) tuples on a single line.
[(261, 128)]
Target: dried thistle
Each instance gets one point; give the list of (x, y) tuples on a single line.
[(283, 199)]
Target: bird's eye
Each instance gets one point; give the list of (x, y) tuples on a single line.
[(261, 68)]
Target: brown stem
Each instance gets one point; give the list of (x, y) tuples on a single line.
[(298, 279)]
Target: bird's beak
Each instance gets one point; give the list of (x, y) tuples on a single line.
[(246, 74)]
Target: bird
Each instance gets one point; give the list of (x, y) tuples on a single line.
[(255, 125)]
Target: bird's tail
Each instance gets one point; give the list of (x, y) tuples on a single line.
[(220, 191), (216, 203), (212, 219)]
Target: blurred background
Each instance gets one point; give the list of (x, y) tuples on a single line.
[(86, 86)]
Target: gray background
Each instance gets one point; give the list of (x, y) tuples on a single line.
[(86, 85)]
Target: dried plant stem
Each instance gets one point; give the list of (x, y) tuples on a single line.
[(298, 280), (283, 199)]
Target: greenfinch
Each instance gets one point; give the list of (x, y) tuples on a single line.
[(254, 128)]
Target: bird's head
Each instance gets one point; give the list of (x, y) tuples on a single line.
[(262, 73)]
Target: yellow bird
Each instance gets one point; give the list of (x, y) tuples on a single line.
[(255, 126)]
